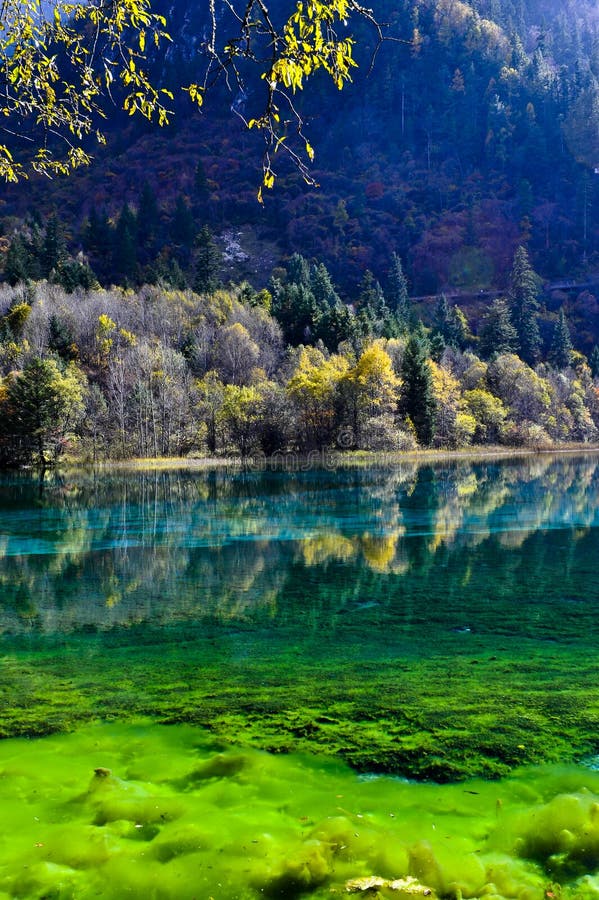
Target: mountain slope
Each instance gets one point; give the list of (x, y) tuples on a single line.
[(482, 134)]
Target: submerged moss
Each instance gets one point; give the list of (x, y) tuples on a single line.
[(441, 718), (409, 621), (291, 826), (438, 622)]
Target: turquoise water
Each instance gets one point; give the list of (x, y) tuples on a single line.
[(421, 623)]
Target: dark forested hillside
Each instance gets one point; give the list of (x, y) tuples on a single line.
[(479, 135)]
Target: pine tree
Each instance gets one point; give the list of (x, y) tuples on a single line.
[(125, 244), (450, 324), (74, 273), (524, 306), (16, 267), (371, 298), (98, 242), (561, 347), (417, 402), (298, 270), (175, 276), (167, 272), (208, 261), (148, 218), (335, 325), (43, 403), (323, 288), (201, 191), (96, 235), (54, 246), (295, 309), (182, 229), (442, 318), (332, 319), (437, 346), (374, 312), (497, 334), (34, 244), (397, 294), (594, 361), (389, 326)]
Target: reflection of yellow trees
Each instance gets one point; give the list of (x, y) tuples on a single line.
[(565, 492), (175, 547), (512, 540), (447, 521), (379, 551), (322, 548), (74, 542), (467, 486), (139, 588)]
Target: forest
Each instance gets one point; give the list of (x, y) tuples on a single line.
[(436, 288), (121, 373), (475, 134)]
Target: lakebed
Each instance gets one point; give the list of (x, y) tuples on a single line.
[(293, 681)]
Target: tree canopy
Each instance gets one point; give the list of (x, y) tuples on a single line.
[(60, 61), (63, 62)]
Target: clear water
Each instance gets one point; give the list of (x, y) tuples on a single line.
[(260, 659)]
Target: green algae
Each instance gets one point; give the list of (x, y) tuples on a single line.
[(148, 811), (380, 716), (438, 623)]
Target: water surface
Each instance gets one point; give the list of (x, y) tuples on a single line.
[(421, 622)]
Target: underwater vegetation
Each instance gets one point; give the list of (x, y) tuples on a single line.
[(447, 712), (146, 811), (437, 622), (414, 647)]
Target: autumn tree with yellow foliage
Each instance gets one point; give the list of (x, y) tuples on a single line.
[(63, 61), (370, 391), (313, 389)]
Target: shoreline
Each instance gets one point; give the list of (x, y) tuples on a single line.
[(327, 459)]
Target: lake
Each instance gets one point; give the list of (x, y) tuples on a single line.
[(235, 684)]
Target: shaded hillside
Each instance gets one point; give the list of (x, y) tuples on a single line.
[(480, 135)]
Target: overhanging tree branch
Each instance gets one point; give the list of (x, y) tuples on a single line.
[(60, 63)]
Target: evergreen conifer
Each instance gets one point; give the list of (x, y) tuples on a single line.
[(125, 244), (397, 294), (16, 267), (208, 261), (524, 306), (497, 334), (417, 402), (54, 246), (561, 347)]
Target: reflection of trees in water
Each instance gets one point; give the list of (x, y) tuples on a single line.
[(128, 587), (167, 547)]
